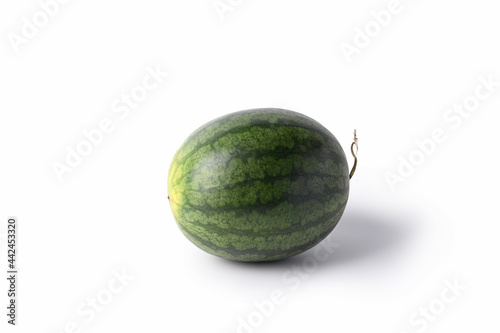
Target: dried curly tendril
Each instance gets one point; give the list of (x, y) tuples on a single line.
[(355, 143)]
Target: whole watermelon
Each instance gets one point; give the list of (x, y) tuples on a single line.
[(258, 185)]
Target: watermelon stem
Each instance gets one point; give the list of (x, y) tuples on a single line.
[(355, 143)]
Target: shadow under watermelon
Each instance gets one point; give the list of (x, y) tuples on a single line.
[(359, 235)]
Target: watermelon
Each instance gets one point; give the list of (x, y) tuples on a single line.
[(258, 185)]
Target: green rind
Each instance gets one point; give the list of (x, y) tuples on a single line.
[(259, 185)]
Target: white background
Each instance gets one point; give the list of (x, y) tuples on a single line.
[(397, 247)]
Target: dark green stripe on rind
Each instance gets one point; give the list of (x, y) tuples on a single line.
[(243, 119), (276, 139), (259, 253), (259, 185), (264, 222)]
